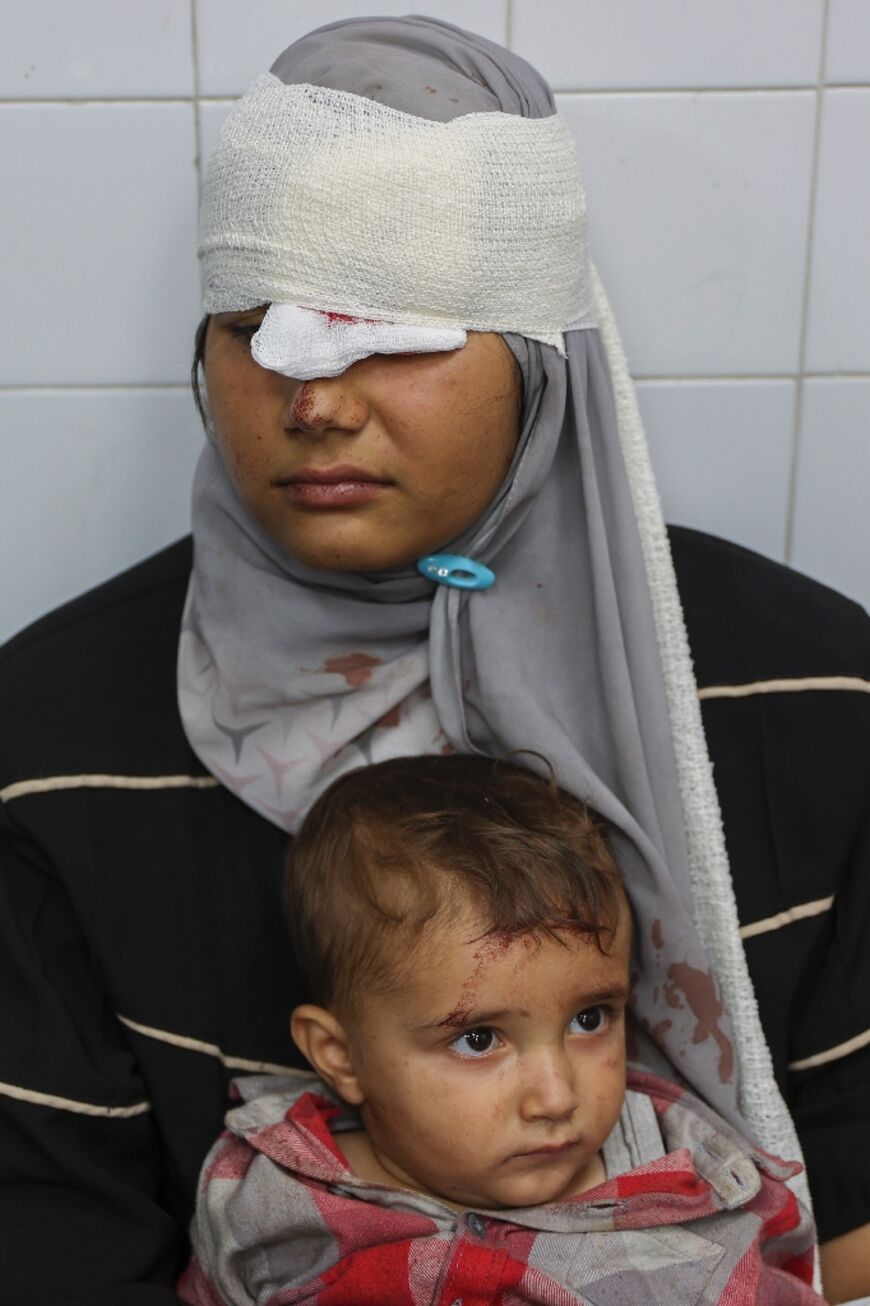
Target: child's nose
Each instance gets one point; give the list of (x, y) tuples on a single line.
[(549, 1087)]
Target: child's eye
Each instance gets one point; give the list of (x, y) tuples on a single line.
[(592, 1020), (475, 1042)]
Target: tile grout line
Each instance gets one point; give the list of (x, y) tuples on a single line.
[(74, 102), (712, 378), (741, 378), (795, 88), (197, 126), (85, 101), (509, 25), (794, 465), (92, 387)]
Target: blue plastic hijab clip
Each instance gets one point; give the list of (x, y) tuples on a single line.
[(453, 569)]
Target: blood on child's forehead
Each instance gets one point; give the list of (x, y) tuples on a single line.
[(455, 956)]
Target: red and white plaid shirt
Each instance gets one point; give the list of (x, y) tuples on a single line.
[(699, 1216)]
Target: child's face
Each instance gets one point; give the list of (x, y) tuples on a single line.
[(494, 1075)]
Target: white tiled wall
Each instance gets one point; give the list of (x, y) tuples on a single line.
[(726, 149), (100, 203), (722, 451), (699, 207), (833, 476), (839, 317), (847, 56), (91, 480), (622, 44), (238, 39)]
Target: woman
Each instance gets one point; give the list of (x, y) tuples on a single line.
[(406, 356)]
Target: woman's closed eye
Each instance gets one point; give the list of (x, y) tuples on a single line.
[(591, 1020), (244, 330), (242, 325), (475, 1043)]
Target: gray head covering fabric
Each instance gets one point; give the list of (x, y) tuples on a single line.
[(287, 676)]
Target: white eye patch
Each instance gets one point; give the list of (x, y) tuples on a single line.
[(305, 343)]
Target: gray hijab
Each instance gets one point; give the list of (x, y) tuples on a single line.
[(287, 677)]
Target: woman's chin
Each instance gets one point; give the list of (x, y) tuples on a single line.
[(349, 555)]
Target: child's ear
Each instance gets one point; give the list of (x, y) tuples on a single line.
[(323, 1040)]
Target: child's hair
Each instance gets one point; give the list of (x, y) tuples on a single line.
[(391, 847)]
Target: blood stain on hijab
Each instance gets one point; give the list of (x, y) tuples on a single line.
[(355, 667), (706, 1006)]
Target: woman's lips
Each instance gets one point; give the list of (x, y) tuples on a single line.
[(332, 487)]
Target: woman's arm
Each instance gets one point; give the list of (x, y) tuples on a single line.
[(829, 1079), (846, 1266), (783, 665), (82, 1205)]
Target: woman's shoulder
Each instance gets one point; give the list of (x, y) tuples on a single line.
[(95, 679), (158, 581), (752, 619)]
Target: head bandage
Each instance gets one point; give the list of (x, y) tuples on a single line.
[(322, 199)]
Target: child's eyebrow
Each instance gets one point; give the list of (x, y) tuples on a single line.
[(466, 1018), (612, 993)]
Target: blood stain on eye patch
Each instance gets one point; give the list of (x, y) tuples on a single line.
[(336, 319)]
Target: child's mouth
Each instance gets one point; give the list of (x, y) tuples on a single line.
[(550, 1149)]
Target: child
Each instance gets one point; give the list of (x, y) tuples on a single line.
[(466, 939)]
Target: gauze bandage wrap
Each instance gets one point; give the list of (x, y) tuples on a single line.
[(323, 199), (305, 343)]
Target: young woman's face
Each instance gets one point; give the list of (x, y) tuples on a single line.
[(372, 469)]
